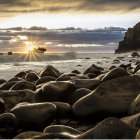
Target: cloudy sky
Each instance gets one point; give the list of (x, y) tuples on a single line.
[(63, 13), (39, 20)]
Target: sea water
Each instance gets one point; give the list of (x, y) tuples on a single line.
[(10, 65)]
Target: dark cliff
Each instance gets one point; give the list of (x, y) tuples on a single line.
[(131, 40)]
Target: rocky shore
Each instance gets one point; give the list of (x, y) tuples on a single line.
[(131, 40), (93, 104)]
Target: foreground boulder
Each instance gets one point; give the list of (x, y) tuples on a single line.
[(8, 125), (109, 98), (133, 120), (58, 129), (11, 98), (115, 73), (55, 91), (49, 71), (110, 128), (35, 115), (23, 85), (21, 74)]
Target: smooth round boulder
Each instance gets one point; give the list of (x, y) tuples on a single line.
[(7, 85), (54, 129), (27, 135), (79, 93), (135, 106), (34, 115), (86, 83), (115, 73), (56, 91), (110, 128), (63, 110), (23, 85), (11, 98), (45, 79), (49, 71), (31, 77), (21, 74), (8, 125), (109, 98)]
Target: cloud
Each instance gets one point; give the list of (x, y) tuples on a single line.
[(14, 7)]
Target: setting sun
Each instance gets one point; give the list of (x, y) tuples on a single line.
[(30, 48)]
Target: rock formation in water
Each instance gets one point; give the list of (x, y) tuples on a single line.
[(131, 40)]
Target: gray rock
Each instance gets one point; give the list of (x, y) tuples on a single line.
[(49, 71), (35, 115), (55, 91), (23, 85), (109, 98), (110, 128)]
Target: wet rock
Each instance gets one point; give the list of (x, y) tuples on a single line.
[(76, 72), (116, 61), (112, 67), (23, 85), (137, 68), (2, 106), (135, 54), (133, 120), (135, 106), (2, 81), (21, 74), (8, 125), (110, 128), (109, 98), (15, 79), (66, 76), (91, 75), (35, 115), (79, 93), (45, 79), (7, 85), (31, 77), (125, 66), (58, 129), (86, 83), (27, 135), (49, 71), (63, 110), (115, 73), (138, 135), (57, 91), (11, 98)]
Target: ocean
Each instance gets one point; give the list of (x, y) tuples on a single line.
[(10, 65)]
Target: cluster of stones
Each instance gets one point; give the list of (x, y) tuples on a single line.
[(94, 104)]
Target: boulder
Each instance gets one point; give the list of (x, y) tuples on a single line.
[(110, 128), (86, 83), (27, 135), (2, 106), (21, 74), (34, 115), (45, 79), (135, 54), (7, 85), (79, 93), (57, 91), (31, 77), (109, 98), (63, 110), (23, 85), (8, 125), (11, 98), (138, 135), (115, 73), (15, 79), (135, 106), (133, 120), (58, 129), (49, 71), (76, 72)]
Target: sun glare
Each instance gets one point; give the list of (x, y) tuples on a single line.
[(30, 48)]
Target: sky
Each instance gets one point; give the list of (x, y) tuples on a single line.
[(46, 23), (88, 14)]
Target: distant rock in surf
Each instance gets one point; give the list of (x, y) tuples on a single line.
[(131, 40)]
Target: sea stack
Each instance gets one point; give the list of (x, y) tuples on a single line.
[(131, 40)]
